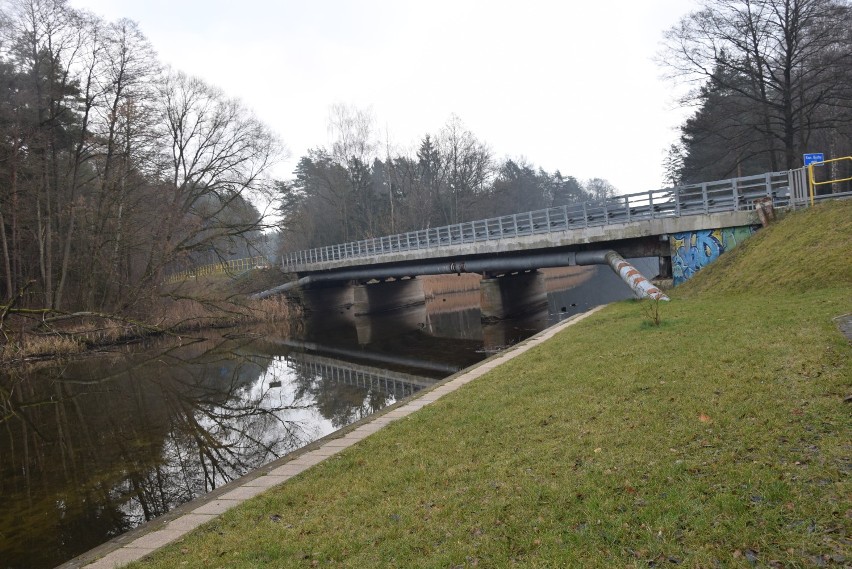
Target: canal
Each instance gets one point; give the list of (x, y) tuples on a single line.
[(95, 446)]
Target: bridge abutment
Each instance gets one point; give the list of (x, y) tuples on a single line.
[(511, 294)]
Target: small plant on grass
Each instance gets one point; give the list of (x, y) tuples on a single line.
[(651, 311)]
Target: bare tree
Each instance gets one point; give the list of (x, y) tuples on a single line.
[(469, 168), (782, 56), (352, 131), (125, 128), (215, 153), (600, 189)]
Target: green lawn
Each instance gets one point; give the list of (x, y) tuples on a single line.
[(720, 438)]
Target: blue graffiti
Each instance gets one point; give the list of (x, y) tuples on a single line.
[(692, 250)]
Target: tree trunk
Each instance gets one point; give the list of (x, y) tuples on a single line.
[(7, 265)]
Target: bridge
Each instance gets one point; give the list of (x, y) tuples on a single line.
[(507, 250)]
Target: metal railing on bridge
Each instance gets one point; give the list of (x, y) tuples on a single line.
[(231, 267), (787, 188)]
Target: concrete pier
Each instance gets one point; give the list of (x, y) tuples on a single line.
[(383, 296), (334, 297), (511, 294)]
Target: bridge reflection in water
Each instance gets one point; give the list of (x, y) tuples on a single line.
[(396, 384)]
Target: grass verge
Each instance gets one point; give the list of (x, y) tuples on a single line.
[(720, 438)]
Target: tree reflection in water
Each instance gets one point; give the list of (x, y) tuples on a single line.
[(93, 448)]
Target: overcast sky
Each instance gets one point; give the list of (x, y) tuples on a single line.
[(569, 85)]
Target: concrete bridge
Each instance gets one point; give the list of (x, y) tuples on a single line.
[(508, 250)]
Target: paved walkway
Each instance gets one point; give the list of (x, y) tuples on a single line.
[(162, 531)]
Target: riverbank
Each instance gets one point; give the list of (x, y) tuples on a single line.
[(720, 437), (211, 302)]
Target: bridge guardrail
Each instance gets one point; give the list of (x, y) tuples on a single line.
[(232, 266), (735, 194)]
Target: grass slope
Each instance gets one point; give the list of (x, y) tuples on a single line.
[(807, 250), (720, 438)]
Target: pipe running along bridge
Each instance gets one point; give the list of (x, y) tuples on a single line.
[(507, 250)]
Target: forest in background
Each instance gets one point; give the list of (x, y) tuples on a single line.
[(349, 192), (116, 171)]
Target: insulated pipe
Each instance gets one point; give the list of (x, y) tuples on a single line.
[(629, 274), (639, 284), (282, 288)]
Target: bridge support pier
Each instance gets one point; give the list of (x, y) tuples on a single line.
[(511, 294), (385, 296), (336, 297)]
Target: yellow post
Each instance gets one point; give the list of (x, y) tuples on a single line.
[(811, 183)]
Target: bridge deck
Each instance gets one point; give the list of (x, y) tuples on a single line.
[(619, 217)]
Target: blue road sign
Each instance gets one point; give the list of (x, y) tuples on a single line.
[(814, 157)]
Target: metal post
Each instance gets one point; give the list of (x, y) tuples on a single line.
[(704, 197), (651, 204), (585, 216), (736, 194)]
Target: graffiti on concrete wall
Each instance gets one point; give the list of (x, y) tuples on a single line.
[(692, 250)]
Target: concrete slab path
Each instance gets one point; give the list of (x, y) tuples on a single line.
[(169, 528)]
